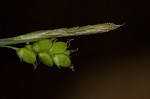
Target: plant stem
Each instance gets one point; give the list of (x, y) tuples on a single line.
[(11, 47), (62, 32)]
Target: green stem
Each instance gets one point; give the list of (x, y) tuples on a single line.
[(11, 47), (63, 32)]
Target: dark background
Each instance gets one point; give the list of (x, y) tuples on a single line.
[(113, 65)]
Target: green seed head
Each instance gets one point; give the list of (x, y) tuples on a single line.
[(58, 47), (26, 55), (62, 60), (42, 45), (45, 58)]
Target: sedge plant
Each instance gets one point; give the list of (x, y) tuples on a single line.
[(43, 48)]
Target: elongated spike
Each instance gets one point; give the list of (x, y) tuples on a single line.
[(62, 32)]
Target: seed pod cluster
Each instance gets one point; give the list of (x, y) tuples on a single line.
[(46, 51)]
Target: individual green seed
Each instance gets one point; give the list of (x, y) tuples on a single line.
[(61, 60), (67, 52), (58, 47), (45, 58), (42, 45), (26, 55)]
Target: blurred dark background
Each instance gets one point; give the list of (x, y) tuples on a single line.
[(113, 65)]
